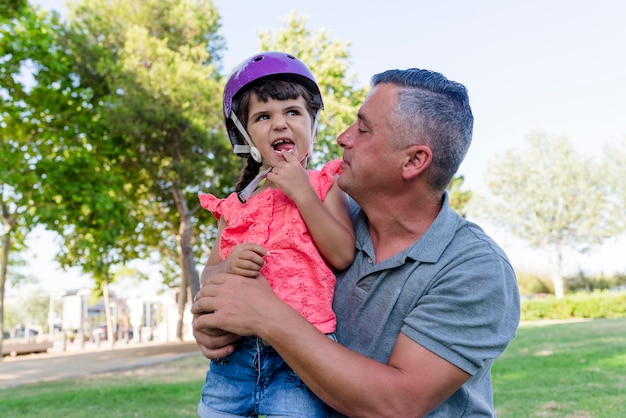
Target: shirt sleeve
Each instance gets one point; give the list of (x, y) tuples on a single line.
[(470, 313)]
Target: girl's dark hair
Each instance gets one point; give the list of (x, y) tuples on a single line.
[(248, 173), (265, 89)]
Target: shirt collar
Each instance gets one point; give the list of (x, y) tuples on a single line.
[(428, 248)]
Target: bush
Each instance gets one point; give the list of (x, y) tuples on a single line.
[(598, 304), (582, 282), (531, 283)]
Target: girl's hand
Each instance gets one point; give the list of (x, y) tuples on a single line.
[(246, 260), (290, 177)]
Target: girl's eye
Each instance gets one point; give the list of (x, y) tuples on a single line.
[(293, 113)]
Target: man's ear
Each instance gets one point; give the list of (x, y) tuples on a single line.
[(417, 159)]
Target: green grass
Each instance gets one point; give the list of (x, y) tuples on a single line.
[(164, 390), (574, 370)]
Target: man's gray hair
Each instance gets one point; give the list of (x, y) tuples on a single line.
[(432, 111)]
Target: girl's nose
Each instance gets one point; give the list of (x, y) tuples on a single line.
[(279, 122)]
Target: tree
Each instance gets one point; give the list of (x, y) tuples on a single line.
[(32, 309), (98, 224), (329, 61), (31, 72), (614, 174), (459, 198), (62, 179), (551, 197), (12, 8), (154, 68)]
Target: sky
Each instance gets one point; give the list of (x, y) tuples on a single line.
[(556, 65)]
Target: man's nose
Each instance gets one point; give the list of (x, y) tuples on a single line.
[(344, 140)]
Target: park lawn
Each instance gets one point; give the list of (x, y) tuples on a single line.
[(162, 390), (572, 369), (576, 369)]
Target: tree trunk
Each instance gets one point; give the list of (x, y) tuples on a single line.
[(557, 282), (6, 243), (182, 303), (107, 314), (557, 271), (190, 280)]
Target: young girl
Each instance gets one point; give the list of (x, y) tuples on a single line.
[(294, 229)]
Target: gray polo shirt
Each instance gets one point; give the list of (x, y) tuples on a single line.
[(453, 292)]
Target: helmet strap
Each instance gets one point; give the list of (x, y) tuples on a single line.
[(314, 131), (245, 194), (315, 123), (245, 149), (254, 151)]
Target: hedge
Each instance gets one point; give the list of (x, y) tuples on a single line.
[(598, 304)]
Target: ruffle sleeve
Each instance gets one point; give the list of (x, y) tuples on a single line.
[(212, 204), (323, 180)]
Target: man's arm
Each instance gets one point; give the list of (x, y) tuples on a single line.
[(412, 383)]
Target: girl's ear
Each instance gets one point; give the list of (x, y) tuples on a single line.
[(417, 159)]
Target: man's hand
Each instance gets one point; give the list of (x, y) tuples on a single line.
[(212, 342), (228, 306), (246, 261)]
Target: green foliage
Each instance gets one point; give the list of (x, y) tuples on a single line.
[(599, 304), (549, 195), (583, 282), (21, 148), (531, 283), (614, 173), (12, 8), (552, 198), (30, 309), (34, 92), (459, 198), (155, 128), (329, 61)]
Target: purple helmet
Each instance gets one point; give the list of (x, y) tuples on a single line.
[(261, 65)]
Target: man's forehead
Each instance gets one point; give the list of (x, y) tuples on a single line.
[(378, 103)]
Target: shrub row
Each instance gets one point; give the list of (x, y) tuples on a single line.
[(598, 304)]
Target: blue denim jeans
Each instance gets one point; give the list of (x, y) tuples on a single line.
[(254, 380)]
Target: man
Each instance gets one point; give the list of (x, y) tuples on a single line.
[(429, 301)]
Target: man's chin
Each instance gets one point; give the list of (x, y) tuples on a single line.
[(343, 183)]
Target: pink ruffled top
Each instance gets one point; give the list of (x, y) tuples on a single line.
[(295, 269)]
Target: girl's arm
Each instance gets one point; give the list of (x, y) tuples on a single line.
[(330, 225), (329, 222), (214, 256)]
